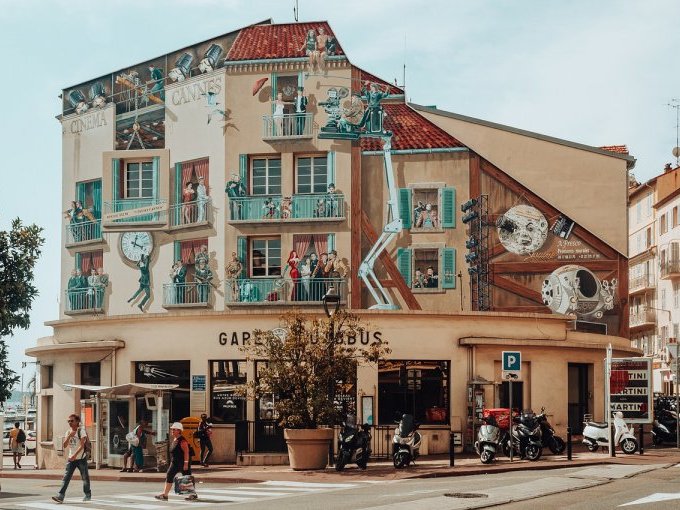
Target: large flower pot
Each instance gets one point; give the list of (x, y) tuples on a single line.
[(308, 448)]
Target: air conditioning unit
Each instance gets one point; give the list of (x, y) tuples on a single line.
[(589, 327)]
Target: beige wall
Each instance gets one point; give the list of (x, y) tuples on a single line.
[(589, 187)]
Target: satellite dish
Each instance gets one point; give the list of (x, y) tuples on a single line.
[(676, 152)]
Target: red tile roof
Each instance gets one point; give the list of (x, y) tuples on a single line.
[(366, 76), (410, 131), (619, 149), (287, 40)]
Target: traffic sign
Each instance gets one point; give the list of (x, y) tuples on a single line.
[(512, 365)]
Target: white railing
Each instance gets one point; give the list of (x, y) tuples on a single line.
[(282, 290), (191, 213), (84, 300), (289, 125), (267, 208), (83, 231), (188, 295)]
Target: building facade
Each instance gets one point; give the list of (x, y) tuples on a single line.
[(213, 188)]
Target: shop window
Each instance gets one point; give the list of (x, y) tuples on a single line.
[(90, 375), (119, 426), (226, 378), (265, 257), (312, 175), (420, 388), (427, 207), (266, 176), (168, 372), (427, 268)]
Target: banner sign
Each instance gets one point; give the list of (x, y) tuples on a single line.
[(131, 213), (630, 389)]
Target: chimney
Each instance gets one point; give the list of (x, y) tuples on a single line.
[(667, 168)]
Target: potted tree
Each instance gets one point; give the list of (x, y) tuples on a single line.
[(306, 359)]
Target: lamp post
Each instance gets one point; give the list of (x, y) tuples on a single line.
[(331, 305)]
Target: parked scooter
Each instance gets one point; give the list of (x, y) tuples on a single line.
[(663, 428), (488, 440), (596, 434), (525, 438), (406, 442), (354, 445), (548, 437)]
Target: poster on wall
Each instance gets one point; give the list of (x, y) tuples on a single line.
[(575, 289), (163, 372), (630, 389)]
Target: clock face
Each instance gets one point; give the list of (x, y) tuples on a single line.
[(134, 244)]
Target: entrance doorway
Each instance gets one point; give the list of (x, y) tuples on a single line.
[(579, 392)]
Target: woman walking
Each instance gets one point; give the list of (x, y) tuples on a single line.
[(180, 461)]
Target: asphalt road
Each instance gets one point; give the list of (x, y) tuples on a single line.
[(596, 487)]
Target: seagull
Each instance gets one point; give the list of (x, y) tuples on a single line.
[(211, 100)]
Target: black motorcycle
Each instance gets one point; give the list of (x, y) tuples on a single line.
[(354, 445), (525, 438), (664, 427), (548, 437)]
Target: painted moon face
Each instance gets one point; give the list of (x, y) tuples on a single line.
[(522, 230)]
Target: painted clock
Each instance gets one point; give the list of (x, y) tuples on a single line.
[(134, 244)]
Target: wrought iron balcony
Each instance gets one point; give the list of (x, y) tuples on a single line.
[(641, 284), (670, 270), (641, 319), (83, 232), (191, 214), (281, 291), (84, 300), (188, 295), (135, 210), (298, 208), (290, 126)]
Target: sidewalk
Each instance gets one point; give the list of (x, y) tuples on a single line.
[(426, 467)]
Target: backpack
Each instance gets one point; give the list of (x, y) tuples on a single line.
[(87, 447), (191, 448), (21, 436)]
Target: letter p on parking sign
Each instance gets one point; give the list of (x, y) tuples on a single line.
[(512, 365)]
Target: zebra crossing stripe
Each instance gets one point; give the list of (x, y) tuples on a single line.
[(228, 492), (129, 506), (150, 499), (310, 485), (40, 505)]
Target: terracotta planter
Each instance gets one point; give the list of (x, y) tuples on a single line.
[(308, 448)]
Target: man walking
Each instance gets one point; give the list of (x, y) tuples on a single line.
[(76, 448), (17, 438), (205, 439)]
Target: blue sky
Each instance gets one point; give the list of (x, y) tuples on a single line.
[(599, 73)]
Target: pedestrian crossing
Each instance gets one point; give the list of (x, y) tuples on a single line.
[(207, 496)]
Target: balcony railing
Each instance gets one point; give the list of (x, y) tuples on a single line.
[(641, 283), (282, 291), (135, 210), (191, 213), (187, 295), (84, 300), (287, 126), (264, 208), (670, 269), (642, 318), (83, 232)]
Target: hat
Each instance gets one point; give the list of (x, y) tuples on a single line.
[(177, 425)]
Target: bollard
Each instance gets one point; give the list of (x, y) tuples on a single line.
[(452, 449), (568, 443), (612, 436), (642, 439)]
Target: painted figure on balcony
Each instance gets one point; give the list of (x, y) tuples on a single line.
[(202, 199), (202, 255), (322, 40), (156, 81), (373, 116), (278, 104), (235, 189), (188, 203), (144, 282), (332, 107), (352, 115), (92, 285), (335, 267), (309, 47), (331, 202), (72, 290), (300, 103), (319, 276), (305, 274), (420, 207), (179, 278), (319, 208), (427, 217), (248, 293), (293, 261), (270, 208), (203, 275), (431, 278), (233, 270), (102, 283), (419, 280), (286, 208)]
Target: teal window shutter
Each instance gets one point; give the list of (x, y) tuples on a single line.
[(97, 198), (116, 179), (177, 211), (331, 242), (242, 254), (80, 192), (243, 170), (79, 261), (405, 208), (330, 169), (448, 207), (274, 89), (448, 276), (177, 248), (155, 166), (404, 256)]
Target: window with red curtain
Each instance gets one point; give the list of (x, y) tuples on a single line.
[(91, 259), (192, 170), (189, 249)]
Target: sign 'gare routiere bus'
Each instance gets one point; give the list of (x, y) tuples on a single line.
[(630, 389)]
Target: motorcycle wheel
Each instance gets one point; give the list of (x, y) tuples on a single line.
[(486, 457), (533, 452), (656, 440), (592, 447), (629, 446), (506, 449), (400, 460), (363, 461), (557, 445), (341, 461)]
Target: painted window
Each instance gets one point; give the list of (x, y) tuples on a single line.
[(427, 268), (420, 388), (89, 193), (427, 207), (266, 176), (312, 174), (139, 180), (265, 257), (226, 377)]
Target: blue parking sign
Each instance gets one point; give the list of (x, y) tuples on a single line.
[(512, 361)]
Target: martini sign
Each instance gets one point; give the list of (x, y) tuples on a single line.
[(630, 389)]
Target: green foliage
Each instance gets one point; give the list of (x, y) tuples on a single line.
[(306, 364), (19, 252)]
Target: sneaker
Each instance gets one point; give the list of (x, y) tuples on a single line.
[(191, 497), (88, 497), (58, 499)]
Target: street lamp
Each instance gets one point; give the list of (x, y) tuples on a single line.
[(331, 302)]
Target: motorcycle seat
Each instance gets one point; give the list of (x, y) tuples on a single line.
[(598, 424)]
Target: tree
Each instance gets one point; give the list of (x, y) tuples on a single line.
[(19, 252), (306, 361)]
